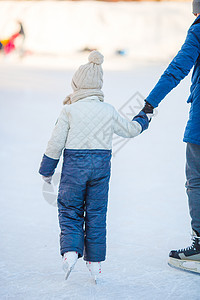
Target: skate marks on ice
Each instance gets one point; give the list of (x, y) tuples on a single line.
[(134, 280), (80, 286), (34, 270)]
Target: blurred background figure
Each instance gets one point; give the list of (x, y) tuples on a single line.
[(14, 42)]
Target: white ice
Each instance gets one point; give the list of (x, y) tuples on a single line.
[(148, 212)]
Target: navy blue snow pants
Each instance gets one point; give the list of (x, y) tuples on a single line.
[(82, 202)]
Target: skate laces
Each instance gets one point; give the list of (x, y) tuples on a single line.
[(196, 240)]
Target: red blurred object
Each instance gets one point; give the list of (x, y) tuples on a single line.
[(9, 47), (14, 36)]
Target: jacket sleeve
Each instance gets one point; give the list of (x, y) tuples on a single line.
[(124, 127), (55, 145), (178, 68)]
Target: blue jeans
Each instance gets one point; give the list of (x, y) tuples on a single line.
[(193, 183)]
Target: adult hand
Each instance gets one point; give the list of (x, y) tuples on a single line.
[(148, 110)]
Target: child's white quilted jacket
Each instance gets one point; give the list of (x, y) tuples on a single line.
[(89, 124)]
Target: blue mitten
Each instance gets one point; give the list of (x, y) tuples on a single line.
[(48, 166), (142, 119)]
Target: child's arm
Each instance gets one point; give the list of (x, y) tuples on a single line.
[(129, 129), (55, 145)]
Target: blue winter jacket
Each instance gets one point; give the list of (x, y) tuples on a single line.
[(187, 57)]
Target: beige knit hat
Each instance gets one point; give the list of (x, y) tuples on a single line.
[(88, 79)]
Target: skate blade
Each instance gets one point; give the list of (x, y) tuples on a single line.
[(68, 273), (185, 265)]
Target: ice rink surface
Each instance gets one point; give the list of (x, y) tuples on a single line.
[(148, 213)]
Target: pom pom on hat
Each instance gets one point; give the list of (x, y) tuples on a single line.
[(88, 76), (96, 57)]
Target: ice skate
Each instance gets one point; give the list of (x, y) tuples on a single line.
[(187, 259), (95, 270), (69, 261)]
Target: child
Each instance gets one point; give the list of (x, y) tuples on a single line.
[(84, 130)]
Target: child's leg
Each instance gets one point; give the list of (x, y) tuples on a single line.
[(71, 205), (71, 219), (95, 218)]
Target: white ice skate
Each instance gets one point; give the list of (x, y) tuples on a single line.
[(95, 269), (69, 261)]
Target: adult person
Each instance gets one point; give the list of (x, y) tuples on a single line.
[(188, 57)]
